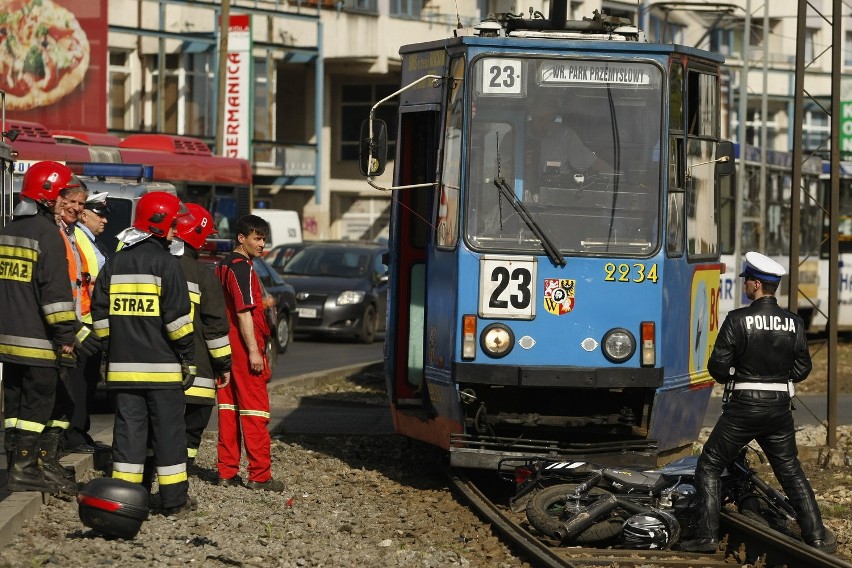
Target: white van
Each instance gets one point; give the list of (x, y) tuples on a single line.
[(284, 225)]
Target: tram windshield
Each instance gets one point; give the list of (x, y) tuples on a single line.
[(578, 142)]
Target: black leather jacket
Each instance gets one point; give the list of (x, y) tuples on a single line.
[(761, 343)]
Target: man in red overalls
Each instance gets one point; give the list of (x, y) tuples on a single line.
[(244, 401)]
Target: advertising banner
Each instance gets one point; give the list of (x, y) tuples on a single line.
[(53, 62), (238, 89)]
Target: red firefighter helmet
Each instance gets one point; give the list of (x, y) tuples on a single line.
[(44, 180), (194, 228), (157, 212)]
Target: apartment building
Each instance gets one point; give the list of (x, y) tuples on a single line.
[(317, 66)]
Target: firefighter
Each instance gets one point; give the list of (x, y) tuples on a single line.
[(37, 330), (212, 346), (244, 402), (141, 311)]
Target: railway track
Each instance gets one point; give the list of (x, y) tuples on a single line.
[(747, 543)]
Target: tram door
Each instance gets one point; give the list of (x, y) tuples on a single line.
[(416, 163)]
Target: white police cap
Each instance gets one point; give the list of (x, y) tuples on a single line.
[(762, 267), (97, 203)]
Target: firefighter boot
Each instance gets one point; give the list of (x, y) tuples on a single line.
[(24, 473), (48, 454)]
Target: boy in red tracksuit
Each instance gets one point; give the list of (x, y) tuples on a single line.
[(244, 401)]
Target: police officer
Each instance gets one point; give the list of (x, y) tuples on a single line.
[(141, 311), (36, 330), (91, 222), (760, 351), (210, 320)]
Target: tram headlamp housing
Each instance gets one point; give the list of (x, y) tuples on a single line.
[(618, 345), (497, 340)]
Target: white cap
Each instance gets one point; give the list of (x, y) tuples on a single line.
[(97, 203), (762, 267)]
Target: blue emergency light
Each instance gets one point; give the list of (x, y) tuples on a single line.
[(140, 172)]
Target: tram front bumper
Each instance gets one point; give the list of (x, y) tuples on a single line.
[(567, 377)]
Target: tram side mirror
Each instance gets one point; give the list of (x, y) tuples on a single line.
[(724, 158), (373, 156)]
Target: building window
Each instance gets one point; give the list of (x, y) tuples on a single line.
[(847, 50), (364, 6), (188, 94), (406, 8), (810, 40), (816, 129), (355, 104), (119, 110)]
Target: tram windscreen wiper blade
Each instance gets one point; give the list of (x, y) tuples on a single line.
[(552, 252)]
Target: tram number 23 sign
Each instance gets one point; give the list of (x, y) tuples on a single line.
[(507, 287)]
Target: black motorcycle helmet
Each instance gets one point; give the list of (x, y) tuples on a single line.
[(652, 530)]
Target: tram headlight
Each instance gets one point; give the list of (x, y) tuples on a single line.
[(618, 345), (497, 340)]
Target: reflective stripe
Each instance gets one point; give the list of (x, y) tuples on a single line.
[(258, 413), (171, 479), (60, 317), (30, 342), (218, 342), (171, 469), (57, 307), (179, 328), (28, 353), (778, 387), (145, 367), (227, 407), (200, 393), (204, 383), (10, 423), (21, 242), (136, 279), (61, 424), (29, 426), (220, 353), (133, 377), (101, 328), (83, 333), (131, 477), (128, 467), (191, 452)]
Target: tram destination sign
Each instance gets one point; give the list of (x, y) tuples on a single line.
[(594, 72)]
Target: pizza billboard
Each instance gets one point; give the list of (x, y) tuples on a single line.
[(53, 62)]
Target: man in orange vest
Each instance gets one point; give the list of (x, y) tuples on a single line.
[(91, 222), (68, 209)]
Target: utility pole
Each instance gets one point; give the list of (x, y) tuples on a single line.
[(742, 185), (224, 23)]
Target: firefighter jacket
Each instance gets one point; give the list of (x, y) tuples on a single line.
[(142, 313), (210, 321), (761, 343), (38, 309)]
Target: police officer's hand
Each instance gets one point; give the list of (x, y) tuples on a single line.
[(223, 380), (87, 342), (189, 371)]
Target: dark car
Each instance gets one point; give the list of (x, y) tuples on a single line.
[(280, 255), (341, 288), (281, 317)]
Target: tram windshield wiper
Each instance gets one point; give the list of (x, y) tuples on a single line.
[(552, 252)]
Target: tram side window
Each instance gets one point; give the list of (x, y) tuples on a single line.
[(702, 234), (675, 219), (675, 216), (448, 202)]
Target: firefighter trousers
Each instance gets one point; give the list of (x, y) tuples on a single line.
[(162, 410), (35, 398), (197, 417)]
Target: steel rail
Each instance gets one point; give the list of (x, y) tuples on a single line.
[(743, 535)]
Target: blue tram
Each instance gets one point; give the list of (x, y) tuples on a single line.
[(554, 247)]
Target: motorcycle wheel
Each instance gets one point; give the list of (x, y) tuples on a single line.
[(548, 508)]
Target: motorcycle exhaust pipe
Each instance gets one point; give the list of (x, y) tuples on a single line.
[(586, 517)]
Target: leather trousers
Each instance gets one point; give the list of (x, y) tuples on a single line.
[(763, 416)]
